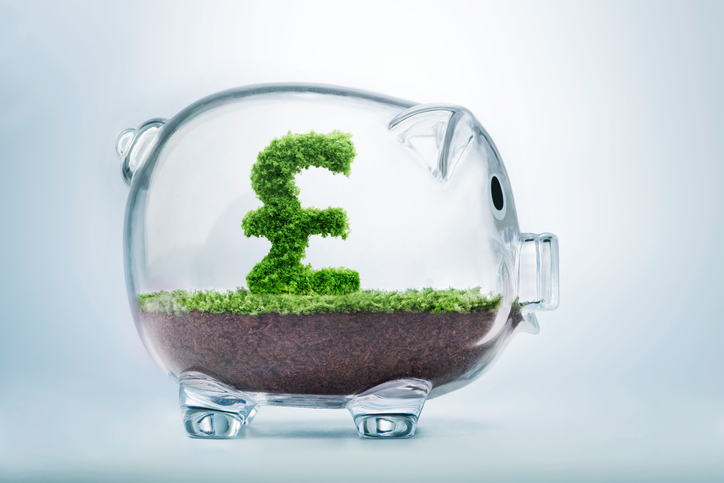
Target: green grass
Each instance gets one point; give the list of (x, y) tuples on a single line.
[(243, 302)]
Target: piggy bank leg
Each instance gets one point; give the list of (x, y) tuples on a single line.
[(389, 410), (212, 409)]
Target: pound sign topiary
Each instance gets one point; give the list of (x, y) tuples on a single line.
[(287, 225)]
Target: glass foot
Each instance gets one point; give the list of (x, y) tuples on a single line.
[(205, 423), (213, 409), (389, 410)]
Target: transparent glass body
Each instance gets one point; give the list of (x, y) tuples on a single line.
[(429, 205)]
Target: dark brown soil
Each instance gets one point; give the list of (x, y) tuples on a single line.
[(324, 354)]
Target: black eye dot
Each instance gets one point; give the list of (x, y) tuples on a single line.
[(497, 193)]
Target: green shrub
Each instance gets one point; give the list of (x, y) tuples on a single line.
[(335, 281), (287, 225)]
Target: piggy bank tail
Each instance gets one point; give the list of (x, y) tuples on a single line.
[(134, 145)]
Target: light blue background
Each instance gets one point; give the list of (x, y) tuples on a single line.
[(610, 119)]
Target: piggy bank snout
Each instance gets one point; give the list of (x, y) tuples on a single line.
[(538, 271)]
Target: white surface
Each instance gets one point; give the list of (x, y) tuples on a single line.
[(609, 118)]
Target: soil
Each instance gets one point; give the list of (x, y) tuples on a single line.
[(324, 354)]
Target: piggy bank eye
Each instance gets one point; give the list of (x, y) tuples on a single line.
[(497, 198)]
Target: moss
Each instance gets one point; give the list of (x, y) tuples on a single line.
[(287, 225), (244, 302)]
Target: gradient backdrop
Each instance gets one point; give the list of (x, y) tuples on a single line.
[(609, 117)]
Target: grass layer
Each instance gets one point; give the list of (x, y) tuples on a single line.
[(243, 302)]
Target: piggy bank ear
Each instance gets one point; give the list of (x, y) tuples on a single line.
[(437, 134)]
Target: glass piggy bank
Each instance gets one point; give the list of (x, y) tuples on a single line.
[(321, 247)]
